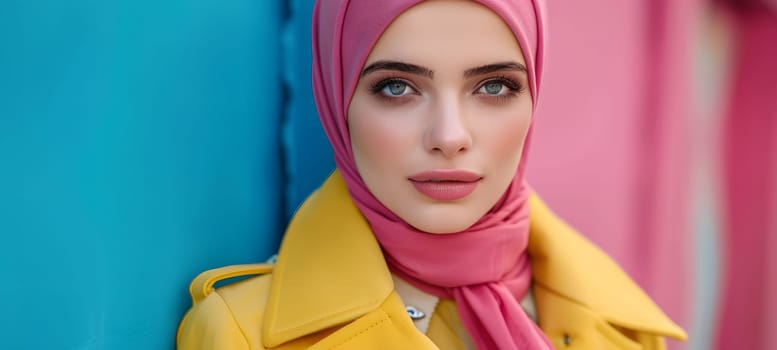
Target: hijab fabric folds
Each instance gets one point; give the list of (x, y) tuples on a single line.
[(485, 268)]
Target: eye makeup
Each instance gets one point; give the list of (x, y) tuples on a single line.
[(393, 89), (510, 88)]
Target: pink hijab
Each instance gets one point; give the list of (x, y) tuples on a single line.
[(485, 268)]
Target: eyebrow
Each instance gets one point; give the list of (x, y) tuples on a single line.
[(495, 67), (426, 72), (398, 66)]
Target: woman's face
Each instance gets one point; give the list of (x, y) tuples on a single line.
[(440, 114)]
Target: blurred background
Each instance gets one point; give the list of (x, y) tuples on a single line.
[(142, 142)]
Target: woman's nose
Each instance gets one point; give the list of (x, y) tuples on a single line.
[(448, 133)]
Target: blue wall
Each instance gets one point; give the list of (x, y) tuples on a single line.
[(139, 145), (308, 154)]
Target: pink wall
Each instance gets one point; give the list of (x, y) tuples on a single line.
[(748, 307), (611, 148)]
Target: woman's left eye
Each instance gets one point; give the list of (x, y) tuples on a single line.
[(493, 88)]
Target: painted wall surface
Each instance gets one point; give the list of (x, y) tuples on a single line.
[(308, 154), (139, 145), (143, 142)]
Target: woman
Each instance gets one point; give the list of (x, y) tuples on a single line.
[(421, 238)]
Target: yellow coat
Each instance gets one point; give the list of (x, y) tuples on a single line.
[(331, 289)]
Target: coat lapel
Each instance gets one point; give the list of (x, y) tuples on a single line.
[(330, 268)]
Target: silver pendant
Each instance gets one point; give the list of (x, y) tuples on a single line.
[(414, 313)]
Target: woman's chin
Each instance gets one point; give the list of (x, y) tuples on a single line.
[(441, 225), (442, 217)]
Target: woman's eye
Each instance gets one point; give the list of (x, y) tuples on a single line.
[(493, 88), (396, 88)]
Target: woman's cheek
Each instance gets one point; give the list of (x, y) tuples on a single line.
[(380, 138), (506, 135)]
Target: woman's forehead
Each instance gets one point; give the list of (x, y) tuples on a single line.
[(449, 34)]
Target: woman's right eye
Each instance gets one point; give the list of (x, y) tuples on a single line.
[(393, 88)]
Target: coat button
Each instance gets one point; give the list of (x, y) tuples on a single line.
[(567, 340)]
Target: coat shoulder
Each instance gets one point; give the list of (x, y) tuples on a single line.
[(228, 317), (232, 317)]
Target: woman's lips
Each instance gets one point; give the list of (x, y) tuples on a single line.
[(445, 184)]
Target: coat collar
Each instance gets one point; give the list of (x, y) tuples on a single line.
[(570, 265), (331, 270)]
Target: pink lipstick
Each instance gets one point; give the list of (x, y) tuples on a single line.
[(445, 184)]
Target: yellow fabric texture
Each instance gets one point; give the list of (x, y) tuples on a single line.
[(331, 288)]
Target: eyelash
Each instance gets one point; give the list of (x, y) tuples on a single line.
[(515, 88), (378, 87)]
